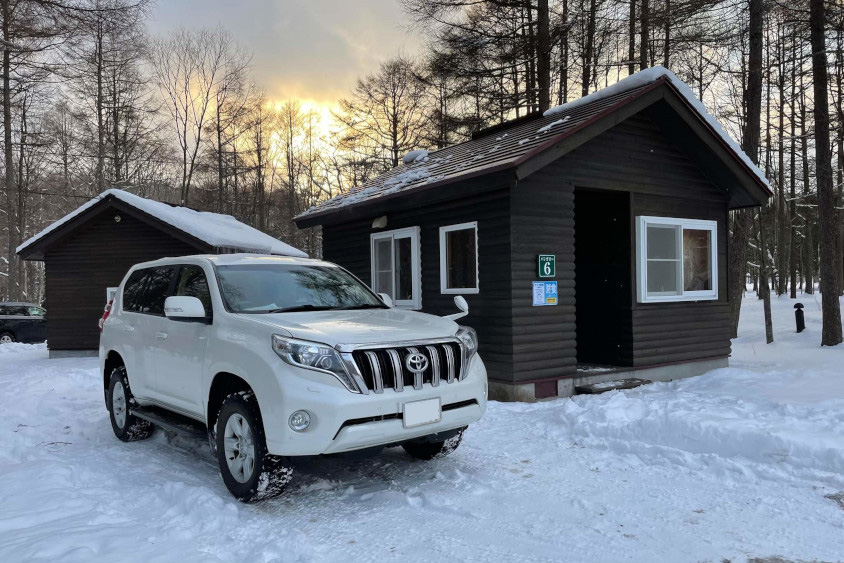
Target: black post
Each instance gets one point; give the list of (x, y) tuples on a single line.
[(798, 317)]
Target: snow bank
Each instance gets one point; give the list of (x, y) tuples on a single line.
[(647, 76), (223, 231)]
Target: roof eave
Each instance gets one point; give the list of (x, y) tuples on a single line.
[(334, 215), (36, 249)]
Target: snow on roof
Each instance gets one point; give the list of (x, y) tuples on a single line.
[(215, 229), (521, 141)]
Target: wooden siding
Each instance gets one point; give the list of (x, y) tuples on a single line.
[(542, 219), (347, 244), (673, 332), (636, 157), (81, 266)]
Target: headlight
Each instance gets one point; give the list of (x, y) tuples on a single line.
[(469, 338), (314, 356)]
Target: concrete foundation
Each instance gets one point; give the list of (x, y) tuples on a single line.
[(54, 354), (524, 392)]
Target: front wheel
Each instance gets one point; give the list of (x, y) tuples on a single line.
[(6, 337), (249, 472), (427, 449)]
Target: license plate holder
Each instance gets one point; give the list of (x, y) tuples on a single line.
[(419, 413)]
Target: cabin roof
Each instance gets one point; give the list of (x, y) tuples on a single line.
[(512, 145), (205, 229)]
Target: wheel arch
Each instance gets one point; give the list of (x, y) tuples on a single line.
[(223, 384), (113, 360)]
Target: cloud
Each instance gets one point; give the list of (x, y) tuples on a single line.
[(312, 49)]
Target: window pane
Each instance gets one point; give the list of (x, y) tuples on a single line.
[(404, 269), (383, 282), (662, 242), (461, 259), (192, 283), (133, 289), (266, 288), (662, 277), (156, 293), (697, 270)]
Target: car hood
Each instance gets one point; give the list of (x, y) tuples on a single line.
[(363, 326)]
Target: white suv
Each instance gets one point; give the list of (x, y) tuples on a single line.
[(275, 357)]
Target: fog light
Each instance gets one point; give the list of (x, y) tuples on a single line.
[(299, 420)]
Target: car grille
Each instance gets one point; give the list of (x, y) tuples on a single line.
[(385, 368)]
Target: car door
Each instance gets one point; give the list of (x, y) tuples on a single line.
[(129, 326), (150, 327), (180, 354), (38, 324)]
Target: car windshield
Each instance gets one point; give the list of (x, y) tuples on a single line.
[(280, 288)]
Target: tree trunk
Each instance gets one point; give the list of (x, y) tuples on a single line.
[(644, 40), (12, 290), (666, 50), (564, 56), (590, 46), (792, 192), (543, 56), (831, 331), (750, 144), (100, 173), (631, 47), (765, 286)]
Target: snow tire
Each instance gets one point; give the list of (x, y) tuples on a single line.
[(127, 427), (433, 450), (269, 474)]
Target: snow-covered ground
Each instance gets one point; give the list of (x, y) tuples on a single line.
[(732, 465)]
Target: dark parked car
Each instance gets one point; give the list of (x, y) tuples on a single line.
[(22, 322)]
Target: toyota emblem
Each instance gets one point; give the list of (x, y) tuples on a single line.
[(416, 363)]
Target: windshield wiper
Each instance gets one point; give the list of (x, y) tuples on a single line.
[(364, 306), (301, 308)]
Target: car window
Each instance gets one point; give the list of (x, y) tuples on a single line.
[(14, 311), (157, 290), (36, 311), (193, 283), (275, 288), (133, 290)]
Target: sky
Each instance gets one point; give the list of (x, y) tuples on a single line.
[(312, 50)]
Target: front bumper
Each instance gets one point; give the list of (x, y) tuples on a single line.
[(342, 421)]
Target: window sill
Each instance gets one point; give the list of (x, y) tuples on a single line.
[(460, 291), (678, 299)]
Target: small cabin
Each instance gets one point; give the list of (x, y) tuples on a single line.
[(90, 249), (589, 241)]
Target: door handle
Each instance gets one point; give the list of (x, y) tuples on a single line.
[(161, 335), (128, 328)]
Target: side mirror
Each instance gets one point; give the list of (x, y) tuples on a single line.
[(462, 305), (388, 301), (183, 308)]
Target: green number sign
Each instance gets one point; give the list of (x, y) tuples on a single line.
[(546, 265)]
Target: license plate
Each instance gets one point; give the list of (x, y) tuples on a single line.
[(418, 413)]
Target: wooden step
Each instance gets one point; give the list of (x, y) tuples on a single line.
[(604, 386), (171, 421)]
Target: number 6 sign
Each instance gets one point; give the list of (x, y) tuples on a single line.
[(546, 265)]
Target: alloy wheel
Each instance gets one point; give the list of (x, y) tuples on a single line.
[(239, 448)]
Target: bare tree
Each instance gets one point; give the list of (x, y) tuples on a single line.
[(831, 332), (385, 112), (189, 67)]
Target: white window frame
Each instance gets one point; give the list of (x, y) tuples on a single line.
[(642, 223), (415, 255), (444, 258)]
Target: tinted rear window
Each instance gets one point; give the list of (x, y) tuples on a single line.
[(157, 290), (133, 290)]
